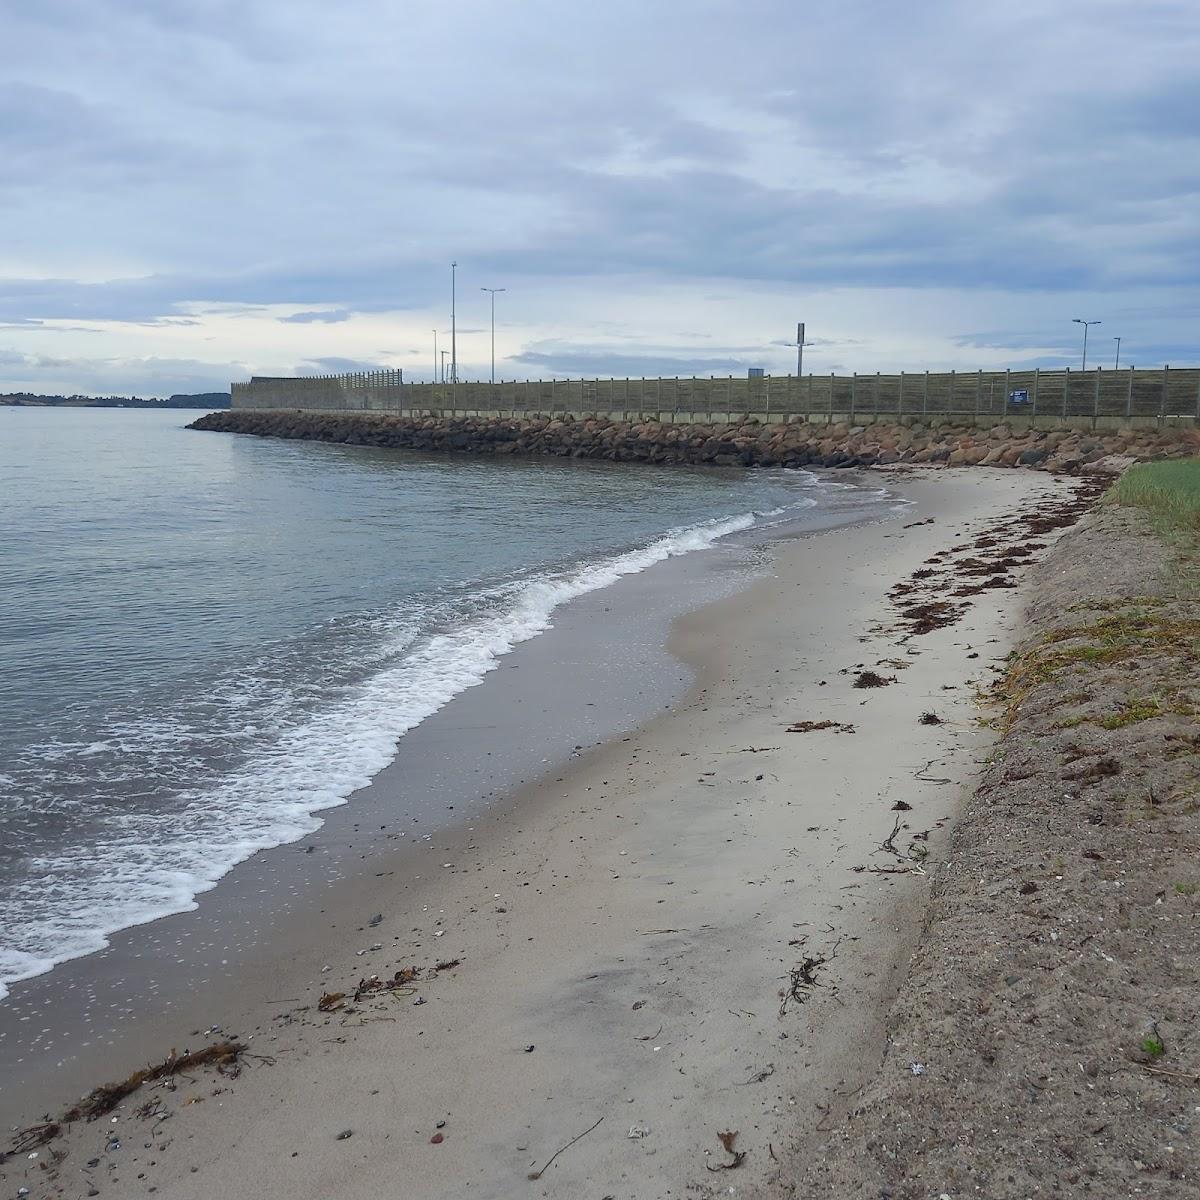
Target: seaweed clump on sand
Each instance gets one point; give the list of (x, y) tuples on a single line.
[(872, 679), (104, 1099)]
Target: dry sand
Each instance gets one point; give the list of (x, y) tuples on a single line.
[(1053, 1000), (627, 932)]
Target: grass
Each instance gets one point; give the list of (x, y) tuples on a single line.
[(1153, 1046), (1168, 491), (1136, 710), (1117, 637)]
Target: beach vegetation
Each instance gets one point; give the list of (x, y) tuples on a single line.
[(1169, 492), (1168, 495), (1152, 1045), (1120, 636)]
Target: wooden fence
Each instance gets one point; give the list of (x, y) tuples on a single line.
[(1132, 396)]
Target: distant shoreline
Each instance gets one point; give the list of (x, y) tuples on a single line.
[(197, 400)]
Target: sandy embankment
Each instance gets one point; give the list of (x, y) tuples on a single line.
[(1053, 1001), (627, 932)]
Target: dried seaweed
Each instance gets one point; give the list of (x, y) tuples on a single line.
[(872, 679), (103, 1100)]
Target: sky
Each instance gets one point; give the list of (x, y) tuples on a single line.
[(195, 191)]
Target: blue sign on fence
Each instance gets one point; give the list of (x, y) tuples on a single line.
[(1019, 396)]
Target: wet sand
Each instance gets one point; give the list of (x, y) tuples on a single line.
[(633, 917)]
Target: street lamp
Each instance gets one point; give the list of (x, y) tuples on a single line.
[(1117, 360), (493, 292), (1085, 324), (453, 325), (800, 343)]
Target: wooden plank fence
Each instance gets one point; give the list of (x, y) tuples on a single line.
[(1075, 398)]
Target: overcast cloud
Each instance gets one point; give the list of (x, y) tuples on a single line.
[(197, 190)]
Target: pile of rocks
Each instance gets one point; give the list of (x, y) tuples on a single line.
[(750, 444)]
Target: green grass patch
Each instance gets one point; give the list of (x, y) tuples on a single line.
[(1117, 637), (1187, 889), (1070, 722), (1133, 712), (1168, 494), (1168, 491), (1153, 1046)]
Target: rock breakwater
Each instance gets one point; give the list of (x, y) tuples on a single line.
[(750, 444)]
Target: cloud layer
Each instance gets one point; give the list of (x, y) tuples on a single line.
[(258, 187)]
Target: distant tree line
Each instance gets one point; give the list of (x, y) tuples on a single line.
[(195, 400)]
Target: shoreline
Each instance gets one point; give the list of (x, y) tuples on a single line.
[(96, 1013), (546, 990)]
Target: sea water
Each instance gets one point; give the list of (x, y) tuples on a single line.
[(208, 639)]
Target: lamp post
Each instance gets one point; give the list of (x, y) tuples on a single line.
[(453, 324), (800, 343), (1117, 360), (493, 292), (1085, 324)]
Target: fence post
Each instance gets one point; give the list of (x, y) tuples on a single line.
[(925, 396), (1007, 393), (1162, 404), (853, 395), (978, 392), (1066, 393), (875, 395), (953, 391), (808, 406), (1198, 396), (1096, 400), (767, 393), (1129, 397), (831, 378), (900, 401), (1037, 376)]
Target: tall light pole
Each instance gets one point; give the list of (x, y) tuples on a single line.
[(1117, 360), (1085, 324), (800, 344), (453, 324), (493, 292)]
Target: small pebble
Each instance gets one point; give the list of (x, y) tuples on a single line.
[(346, 1133)]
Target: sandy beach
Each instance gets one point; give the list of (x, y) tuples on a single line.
[(679, 936)]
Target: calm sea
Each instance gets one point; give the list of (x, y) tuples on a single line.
[(207, 639)]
